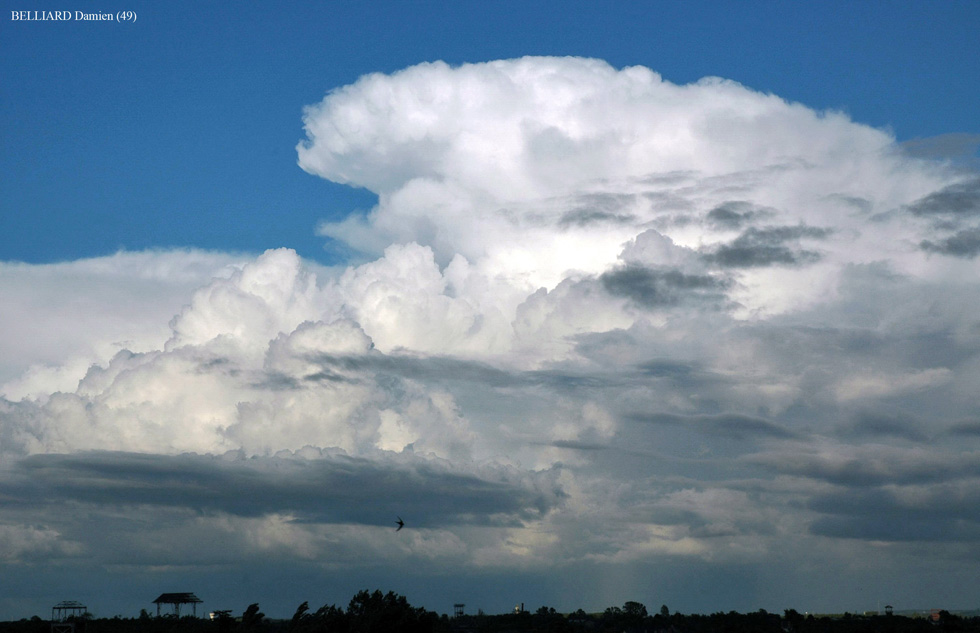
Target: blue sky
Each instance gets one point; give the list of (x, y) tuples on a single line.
[(179, 130), (672, 302)]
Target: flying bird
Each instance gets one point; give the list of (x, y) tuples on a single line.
[(400, 523)]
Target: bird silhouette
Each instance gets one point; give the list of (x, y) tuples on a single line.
[(400, 523)]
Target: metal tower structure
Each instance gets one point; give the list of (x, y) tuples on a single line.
[(63, 615)]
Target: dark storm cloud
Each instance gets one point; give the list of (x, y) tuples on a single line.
[(656, 287), (667, 368), (802, 348), (586, 217), (964, 243), (216, 364), (278, 381), (958, 200), (670, 177), (872, 468), (630, 362), (876, 528), (445, 370), (757, 247), (427, 368), (579, 446), (624, 352), (331, 487), (326, 376), (703, 523), (941, 513), (731, 425), (666, 201), (735, 213), (598, 208), (878, 426), (965, 429)]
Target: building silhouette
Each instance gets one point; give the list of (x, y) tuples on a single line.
[(176, 600)]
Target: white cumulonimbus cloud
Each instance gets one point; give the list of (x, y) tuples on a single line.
[(651, 313), (59, 319)]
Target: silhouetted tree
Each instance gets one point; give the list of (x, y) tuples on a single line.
[(372, 612), (330, 619), (252, 618), (381, 613), (579, 616), (300, 617), (794, 619), (225, 622)]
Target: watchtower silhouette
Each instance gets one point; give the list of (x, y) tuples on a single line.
[(177, 599), (63, 615)]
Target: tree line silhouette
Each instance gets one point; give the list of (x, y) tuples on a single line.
[(375, 612)]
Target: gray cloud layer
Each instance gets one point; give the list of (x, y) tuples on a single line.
[(323, 488)]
